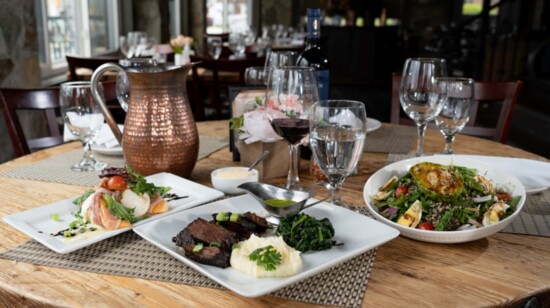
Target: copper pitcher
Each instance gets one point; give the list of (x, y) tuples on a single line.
[(160, 133)]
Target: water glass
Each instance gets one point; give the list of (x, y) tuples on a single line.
[(456, 110), (291, 91), (420, 96), (83, 117), (237, 44), (214, 46), (337, 134)]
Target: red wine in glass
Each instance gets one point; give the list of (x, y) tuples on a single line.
[(293, 130)]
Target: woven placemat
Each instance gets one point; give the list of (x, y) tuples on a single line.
[(534, 218), (129, 255), (391, 139), (57, 168)]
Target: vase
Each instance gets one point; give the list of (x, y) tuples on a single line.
[(178, 59)]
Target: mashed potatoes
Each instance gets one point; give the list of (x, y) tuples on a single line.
[(291, 262)]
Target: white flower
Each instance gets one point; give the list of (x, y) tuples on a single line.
[(256, 127)]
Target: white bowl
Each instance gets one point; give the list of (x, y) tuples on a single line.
[(497, 176), (229, 185)]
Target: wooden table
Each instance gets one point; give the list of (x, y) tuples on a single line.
[(504, 269)]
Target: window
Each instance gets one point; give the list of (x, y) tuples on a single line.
[(228, 16), (74, 27)]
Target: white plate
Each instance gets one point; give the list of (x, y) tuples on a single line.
[(358, 233), (373, 124), (399, 168), (38, 223), (536, 190), (101, 149)]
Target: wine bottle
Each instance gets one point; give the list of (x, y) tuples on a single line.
[(314, 54)]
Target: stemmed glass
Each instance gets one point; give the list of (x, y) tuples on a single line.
[(279, 59), (255, 75), (214, 45), (237, 44), (420, 97), (290, 92), (456, 110), (83, 118), (337, 135)]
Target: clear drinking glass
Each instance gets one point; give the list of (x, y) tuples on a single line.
[(83, 118), (279, 59), (290, 92), (214, 45), (237, 44), (337, 135), (134, 38), (420, 97), (456, 110), (124, 46)]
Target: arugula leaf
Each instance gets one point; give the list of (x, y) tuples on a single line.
[(266, 257), (141, 186), (83, 197), (444, 221), (120, 210)]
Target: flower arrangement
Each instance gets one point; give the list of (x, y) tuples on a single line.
[(180, 42), (253, 125)]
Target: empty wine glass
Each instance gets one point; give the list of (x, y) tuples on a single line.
[(337, 135), (279, 59), (237, 44), (124, 46), (214, 46), (290, 92), (456, 109), (420, 97), (83, 117), (255, 75)]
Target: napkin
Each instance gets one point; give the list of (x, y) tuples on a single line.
[(105, 138), (533, 174)]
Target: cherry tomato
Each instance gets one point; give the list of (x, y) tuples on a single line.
[(117, 183), (503, 196), (401, 190), (426, 226)]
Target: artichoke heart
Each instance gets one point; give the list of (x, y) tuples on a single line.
[(438, 179)]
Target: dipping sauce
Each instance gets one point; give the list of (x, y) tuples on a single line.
[(279, 202), (234, 174)]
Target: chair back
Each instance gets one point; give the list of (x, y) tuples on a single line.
[(86, 62), (494, 103), (212, 78), (45, 99)]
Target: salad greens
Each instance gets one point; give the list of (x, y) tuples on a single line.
[(469, 208)]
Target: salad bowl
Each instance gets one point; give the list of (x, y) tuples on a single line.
[(498, 176)]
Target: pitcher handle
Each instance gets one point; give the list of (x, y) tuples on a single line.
[(96, 77)]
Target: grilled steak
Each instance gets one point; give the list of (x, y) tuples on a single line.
[(208, 255), (260, 222), (204, 232), (183, 238)]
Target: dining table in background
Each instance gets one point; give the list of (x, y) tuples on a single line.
[(503, 269)]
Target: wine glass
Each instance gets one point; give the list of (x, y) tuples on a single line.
[(290, 92), (279, 59), (214, 45), (456, 109), (124, 46), (83, 117), (237, 44), (255, 75), (420, 97), (337, 130)]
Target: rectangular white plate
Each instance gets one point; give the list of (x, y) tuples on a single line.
[(38, 223), (358, 233)]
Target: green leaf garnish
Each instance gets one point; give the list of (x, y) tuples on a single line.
[(141, 186), (83, 197), (198, 248), (266, 257)]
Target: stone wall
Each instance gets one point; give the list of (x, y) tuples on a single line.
[(19, 63)]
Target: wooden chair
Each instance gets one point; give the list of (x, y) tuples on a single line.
[(213, 81), (89, 63), (486, 120), (45, 99)]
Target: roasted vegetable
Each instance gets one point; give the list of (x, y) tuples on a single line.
[(437, 179)]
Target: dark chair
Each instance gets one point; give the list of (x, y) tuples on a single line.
[(213, 81), (491, 114), (45, 99), (86, 62)]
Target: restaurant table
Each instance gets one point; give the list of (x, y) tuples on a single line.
[(502, 269)]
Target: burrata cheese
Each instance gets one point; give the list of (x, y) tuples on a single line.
[(291, 262)]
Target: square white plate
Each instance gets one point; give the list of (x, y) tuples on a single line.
[(358, 233), (38, 223)]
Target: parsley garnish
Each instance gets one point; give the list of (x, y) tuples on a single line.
[(266, 257)]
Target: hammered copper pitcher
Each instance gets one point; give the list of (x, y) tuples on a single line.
[(160, 134)]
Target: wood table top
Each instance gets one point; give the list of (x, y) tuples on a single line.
[(503, 269)]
